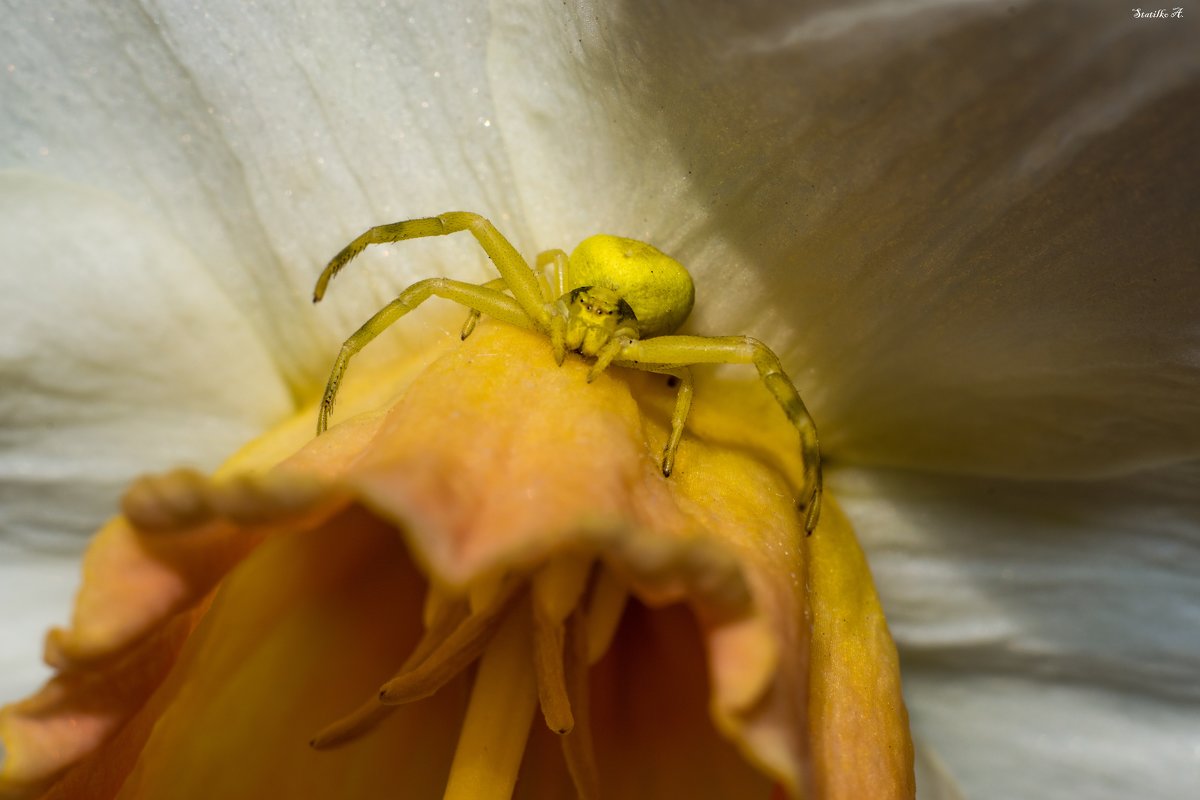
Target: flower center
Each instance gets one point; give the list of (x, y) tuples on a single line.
[(535, 639)]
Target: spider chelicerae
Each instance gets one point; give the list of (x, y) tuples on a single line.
[(615, 300)]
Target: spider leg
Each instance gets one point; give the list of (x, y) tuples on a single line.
[(543, 259), (474, 314), (558, 337), (683, 406), (558, 260), (686, 350), (552, 266), (480, 298), (555, 262), (520, 279)]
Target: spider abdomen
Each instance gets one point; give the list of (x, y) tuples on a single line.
[(656, 286)]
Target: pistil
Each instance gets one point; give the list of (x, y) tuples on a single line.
[(492, 742), (577, 747)]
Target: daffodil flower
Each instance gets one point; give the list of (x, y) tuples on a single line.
[(968, 229)]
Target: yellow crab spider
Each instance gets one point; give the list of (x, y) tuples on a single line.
[(614, 300)]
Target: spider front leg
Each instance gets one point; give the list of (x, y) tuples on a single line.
[(520, 279), (555, 258), (478, 298), (669, 351)]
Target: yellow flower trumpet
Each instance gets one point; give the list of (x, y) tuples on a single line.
[(386, 608)]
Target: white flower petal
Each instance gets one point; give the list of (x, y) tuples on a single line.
[(266, 137), (1013, 737), (934, 781), (970, 226), (118, 355), (1050, 625), (35, 593)]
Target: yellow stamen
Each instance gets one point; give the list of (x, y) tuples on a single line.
[(437, 600), (464, 644), (548, 641), (446, 617), (558, 586), (492, 742), (443, 618), (607, 603), (484, 591), (350, 727)]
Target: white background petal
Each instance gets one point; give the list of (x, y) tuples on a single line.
[(118, 356), (1007, 738), (266, 136), (1048, 634), (36, 591), (971, 227)]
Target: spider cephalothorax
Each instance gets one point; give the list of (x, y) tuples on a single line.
[(594, 318), (616, 300)]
